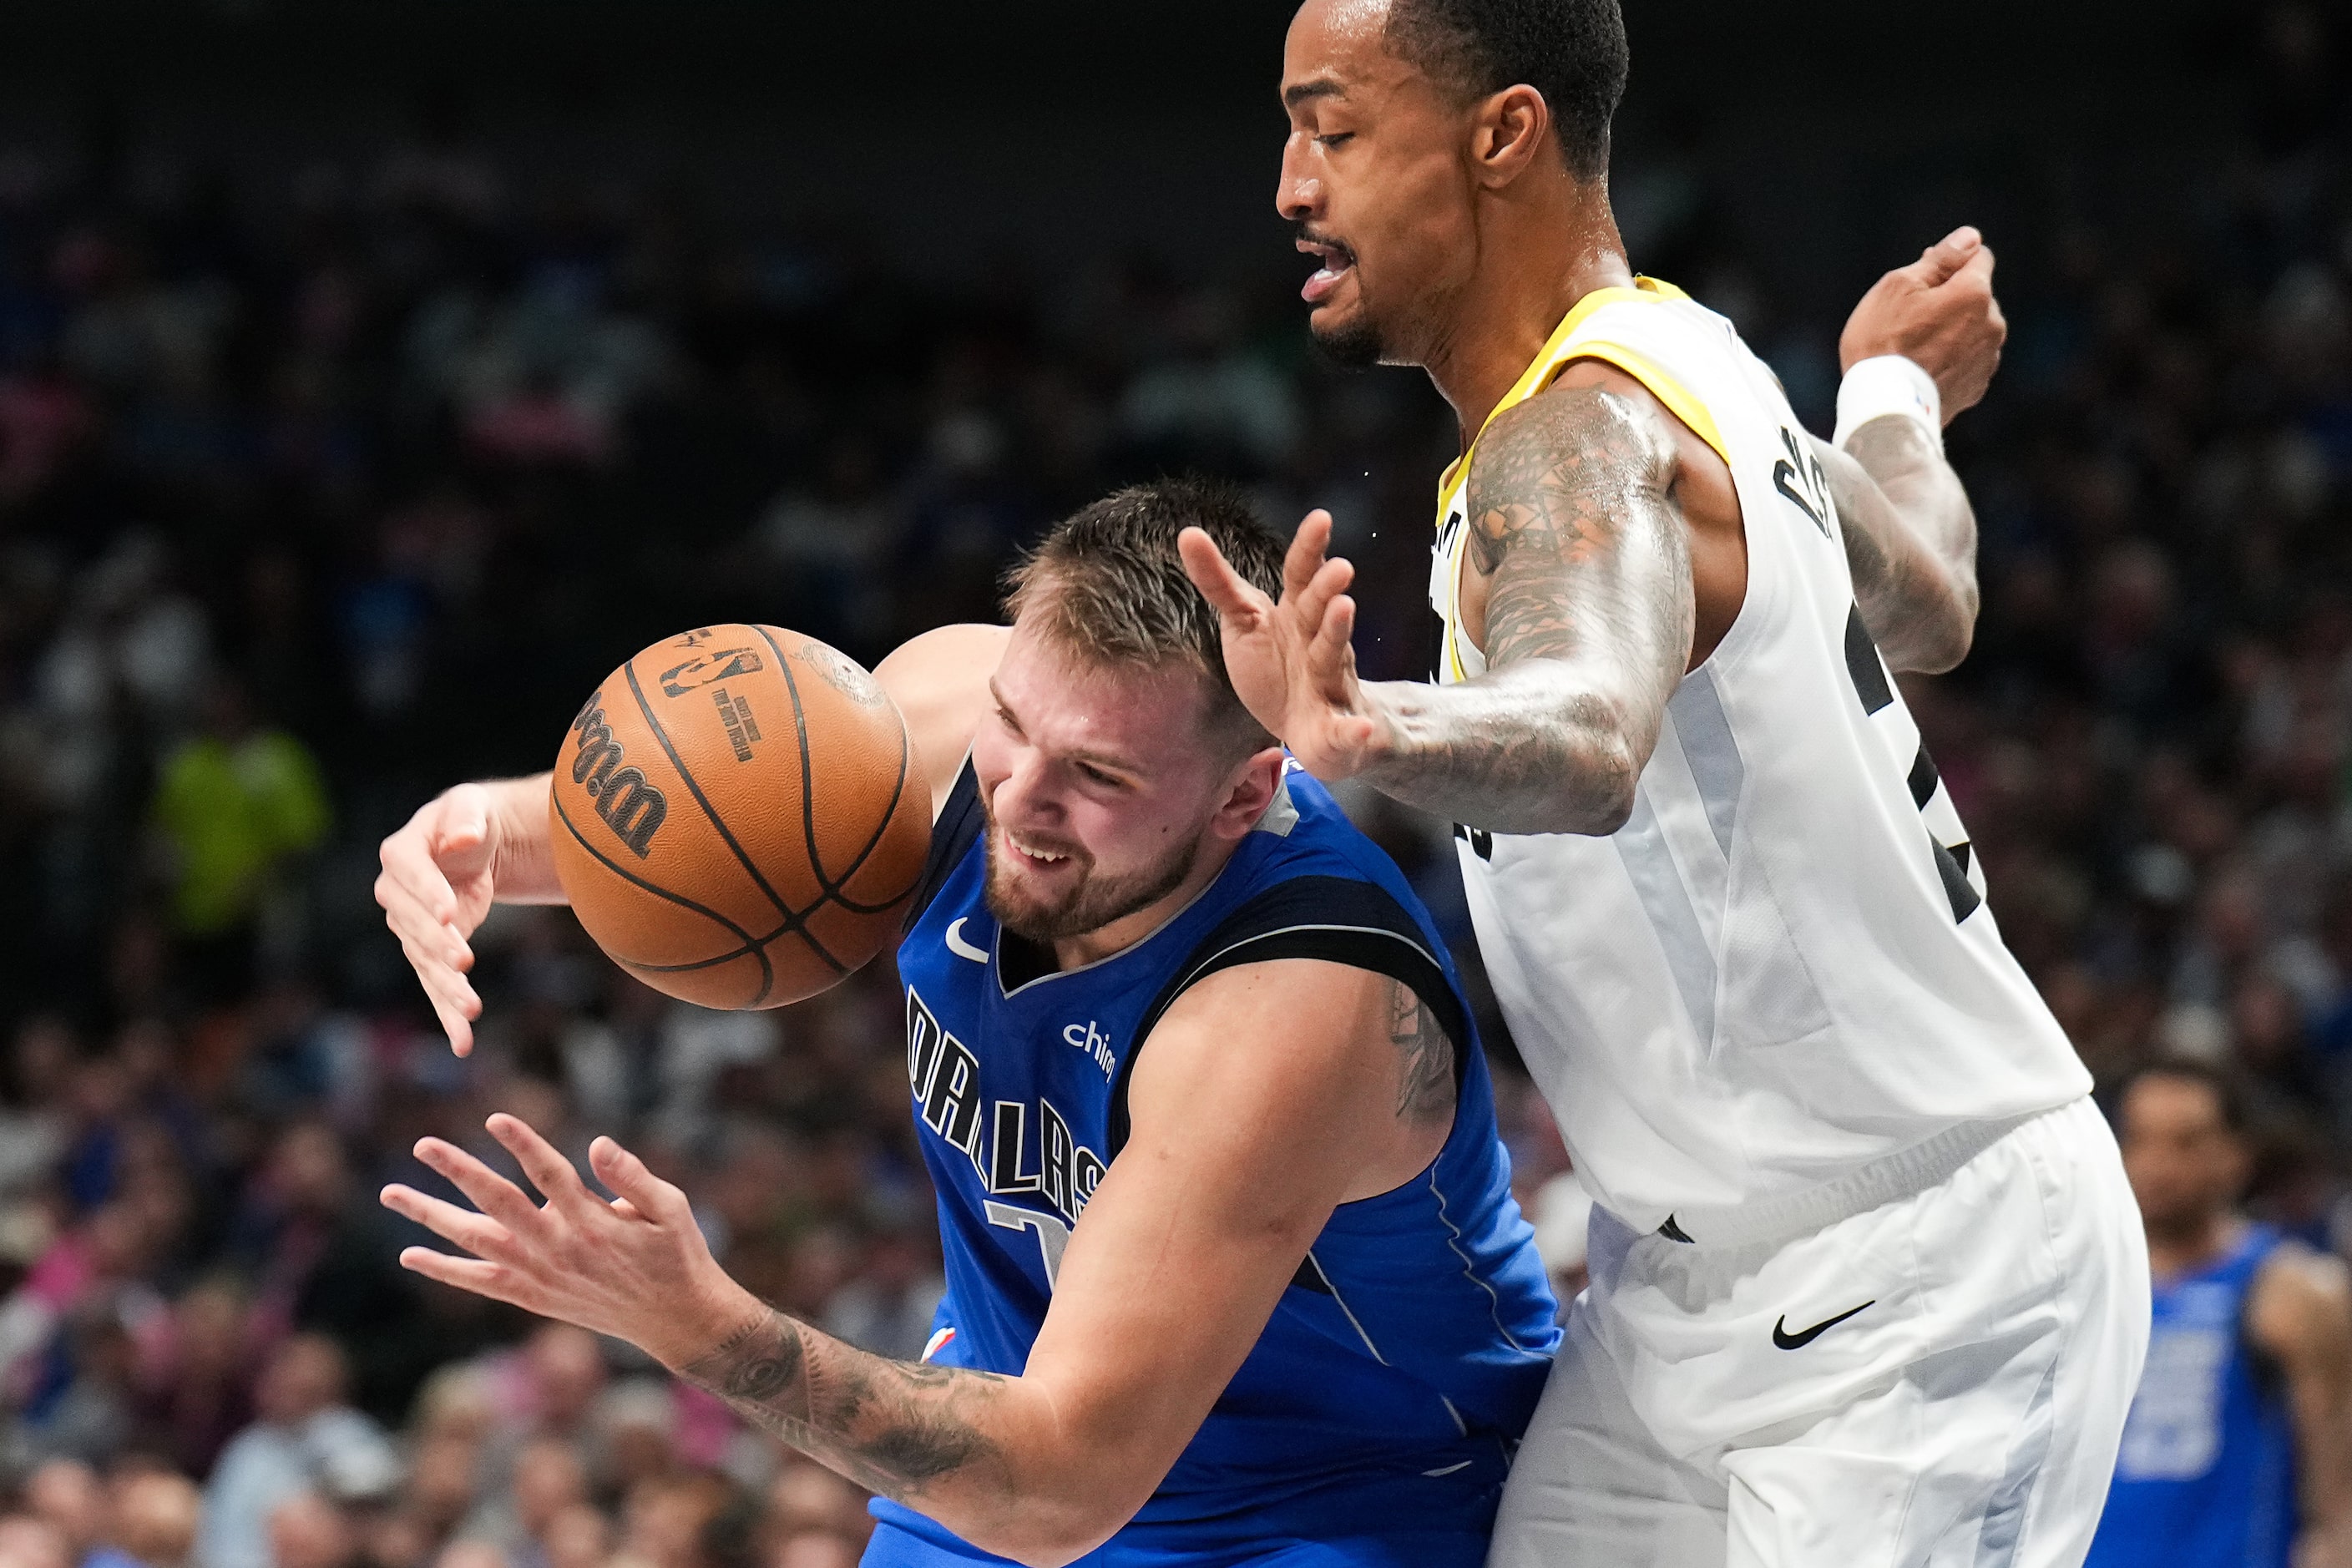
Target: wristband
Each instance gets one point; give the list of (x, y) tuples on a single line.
[(1888, 385)]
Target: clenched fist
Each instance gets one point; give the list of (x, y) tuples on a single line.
[(1938, 312)]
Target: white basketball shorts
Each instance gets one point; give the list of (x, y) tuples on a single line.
[(1939, 1382)]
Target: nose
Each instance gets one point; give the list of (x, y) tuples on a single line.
[(1299, 195), (1024, 798)]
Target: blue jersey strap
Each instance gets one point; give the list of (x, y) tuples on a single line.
[(1338, 920), (961, 823)]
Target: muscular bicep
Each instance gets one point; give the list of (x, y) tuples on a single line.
[(1578, 589), (1578, 549), (939, 681), (1244, 1135), (1910, 543)]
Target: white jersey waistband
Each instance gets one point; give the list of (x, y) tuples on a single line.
[(1898, 1176)]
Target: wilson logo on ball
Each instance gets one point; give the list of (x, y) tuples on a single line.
[(633, 808)]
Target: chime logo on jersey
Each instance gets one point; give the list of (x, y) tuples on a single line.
[(944, 1075)]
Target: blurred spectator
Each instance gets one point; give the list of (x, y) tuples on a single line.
[(306, 1531), (233, 805), (65, 1495), (306, 1441), (886, 1306), (27, 1541), (154, 1518)]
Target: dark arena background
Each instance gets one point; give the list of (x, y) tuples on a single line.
[(376, 377)]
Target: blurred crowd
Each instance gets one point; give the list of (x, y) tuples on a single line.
[(318, 493)]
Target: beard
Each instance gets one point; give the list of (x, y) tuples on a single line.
[(1352, 345), (1092, 903)]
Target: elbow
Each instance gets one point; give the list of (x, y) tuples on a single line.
[(1606, 803), (1052, 1531), (1051, 1542), (1595, 796), (1939, 641)]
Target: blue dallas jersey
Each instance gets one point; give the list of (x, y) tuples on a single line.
[(2206, 1476), (1374, 1420)]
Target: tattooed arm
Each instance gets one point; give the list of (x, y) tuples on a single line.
[(1910, 540), (1910, 533), (1582, 568), (1234, 1161)]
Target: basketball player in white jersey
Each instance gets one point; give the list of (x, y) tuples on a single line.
[(1867, 1283)]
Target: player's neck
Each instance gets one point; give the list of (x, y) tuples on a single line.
[(1543, 260), (1109, 941), (2176, 1250)]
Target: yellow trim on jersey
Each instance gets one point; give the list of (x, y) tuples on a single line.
[(1662, 386), (1540, 370)]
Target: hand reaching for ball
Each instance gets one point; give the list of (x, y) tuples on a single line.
[(472, 846)]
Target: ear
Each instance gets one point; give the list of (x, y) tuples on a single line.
[(1509, 133), (1249, 788)]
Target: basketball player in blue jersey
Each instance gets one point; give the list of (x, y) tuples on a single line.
[(1866, 1284), (2238, 1449), (1234, 1271)]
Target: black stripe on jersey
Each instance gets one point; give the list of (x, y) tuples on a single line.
[(1869, 675), (1336, 919), (1862, 663), (1956, 886), (953, 837), (1923, 777)]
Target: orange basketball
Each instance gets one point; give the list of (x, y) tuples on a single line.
[(738, 818)]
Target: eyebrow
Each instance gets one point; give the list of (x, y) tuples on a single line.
[(1308, 91), (1098, 759)]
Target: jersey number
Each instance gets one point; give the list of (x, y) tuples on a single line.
[(1052, 1235), (1869, 673)]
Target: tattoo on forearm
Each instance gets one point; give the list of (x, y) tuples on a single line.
[(1910, 543), (1589, 613), (1425, 1089), (895, 1427)]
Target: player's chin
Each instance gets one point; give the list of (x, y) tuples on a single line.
[(1035, 903), (1344, 333)]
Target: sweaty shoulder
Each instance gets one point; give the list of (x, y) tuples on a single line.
[(939, 681)]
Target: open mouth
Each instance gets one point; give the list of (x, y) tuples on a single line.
[(1338, 261), (1037, 856)]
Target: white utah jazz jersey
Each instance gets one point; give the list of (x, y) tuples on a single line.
[(1781, 970)]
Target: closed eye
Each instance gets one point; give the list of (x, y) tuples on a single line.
[(1335, 140), (1096, 776)]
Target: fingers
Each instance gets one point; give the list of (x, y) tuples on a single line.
[(549, 1171), (411, 859), (1305, 557), (642, 1192), (1227, 591), (490, 1193), (478, 1234), (428, 955), (490, 1279), (1948, 255), (1331, 655), (1313, 602)]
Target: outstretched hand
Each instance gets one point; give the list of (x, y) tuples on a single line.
[(1940, 313), (636, 1268), (435, 887), (1292, 662)]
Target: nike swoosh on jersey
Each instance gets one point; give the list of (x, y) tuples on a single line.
[(963, 949), (1789, 1341)]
